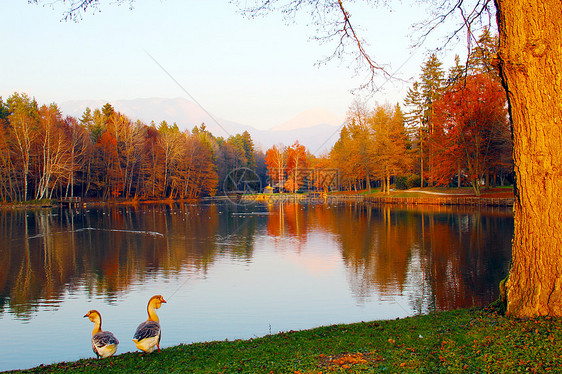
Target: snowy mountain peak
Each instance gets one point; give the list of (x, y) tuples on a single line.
[(310, 118)]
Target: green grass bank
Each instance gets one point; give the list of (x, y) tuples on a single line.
[(461, 341)]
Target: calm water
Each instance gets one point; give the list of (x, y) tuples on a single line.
[(231, 272)]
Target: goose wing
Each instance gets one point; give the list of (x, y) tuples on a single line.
[(103, 338), (147, 329)]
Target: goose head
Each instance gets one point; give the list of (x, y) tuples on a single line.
[(156, 301), (94, 316)]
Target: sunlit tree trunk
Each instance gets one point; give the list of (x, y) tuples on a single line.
[(530, 59), (421, 156), (23, 121)]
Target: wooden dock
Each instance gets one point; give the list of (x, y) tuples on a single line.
[(69, 201)]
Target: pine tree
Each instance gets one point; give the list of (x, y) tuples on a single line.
[(456, 72), (107, 110), (432, 79), (414, 121), (248, 145), (480, 60), (431, 85)]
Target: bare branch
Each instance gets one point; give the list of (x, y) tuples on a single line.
[(333, 24), (447, 9), (76, 8)]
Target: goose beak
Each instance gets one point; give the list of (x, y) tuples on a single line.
[(87, 315), (162, 300)]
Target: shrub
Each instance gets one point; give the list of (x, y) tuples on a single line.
[(402, 182), (405, 182), (414, 180)]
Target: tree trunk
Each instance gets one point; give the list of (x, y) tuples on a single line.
[(421, 157), (530, 59), (458, 174)]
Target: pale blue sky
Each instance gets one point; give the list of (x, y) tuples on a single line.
[(259, 72)]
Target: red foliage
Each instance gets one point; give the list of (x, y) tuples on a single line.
[(470, 127)]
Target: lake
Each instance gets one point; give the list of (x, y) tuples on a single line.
[(231, 272)]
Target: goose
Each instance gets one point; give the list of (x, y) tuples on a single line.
[(104, 343), (147, 337)]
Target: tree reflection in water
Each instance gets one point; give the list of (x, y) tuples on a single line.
[(439, 257)]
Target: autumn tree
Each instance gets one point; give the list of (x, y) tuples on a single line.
[(372, 145), (150, 178), (7, 170), (54, 158), (471, 129), (360, 152), (23, 120), (276, 162), (421, 104), (327, 177), (353, 152), (79, 144), (390, 155), (201, 178), (7, 176), (296, 166), (170, 143)]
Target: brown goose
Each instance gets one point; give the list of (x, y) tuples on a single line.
[(147, 336), (104, 343)]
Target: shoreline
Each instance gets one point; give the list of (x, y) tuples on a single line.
[(463, 340), (433, 196)]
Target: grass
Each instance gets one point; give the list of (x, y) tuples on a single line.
[(468, 340), (28, 204)]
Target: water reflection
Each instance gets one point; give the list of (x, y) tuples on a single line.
[(443, 257), (107, 249), (314, 264)]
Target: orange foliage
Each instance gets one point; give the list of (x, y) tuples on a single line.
[(275, 160), (296, 166)]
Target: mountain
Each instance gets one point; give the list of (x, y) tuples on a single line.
[(310, 118), (181, 111), (317, 129)]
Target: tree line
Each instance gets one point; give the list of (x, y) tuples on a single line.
[(459, 123), (104, 154), (454, 131)]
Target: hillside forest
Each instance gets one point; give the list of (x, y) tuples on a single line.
[(452, 129)]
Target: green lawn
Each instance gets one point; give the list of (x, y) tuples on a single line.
[(462, 341)]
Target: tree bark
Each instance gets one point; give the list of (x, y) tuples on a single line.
[(530, 60)]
